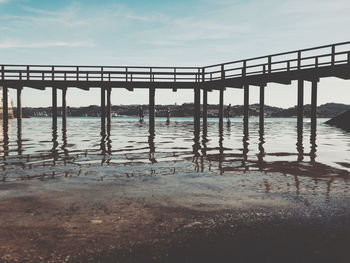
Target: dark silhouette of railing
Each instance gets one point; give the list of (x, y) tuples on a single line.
[(322, 56), (310, 58), (100, 74)]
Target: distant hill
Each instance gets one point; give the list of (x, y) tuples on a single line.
[(328, 110)]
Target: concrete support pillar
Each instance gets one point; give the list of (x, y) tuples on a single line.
[(5, 114), (300, 109), (300, 113), (205, 109), (19, 106), (103, 107), (64, 108), (109, 107), (5, 119), (246, 106), (151, 109), (261, 105), (313, 104), (197, 107), (54, 107), (221, 108)]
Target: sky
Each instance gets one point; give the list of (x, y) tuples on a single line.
[(170, 33)]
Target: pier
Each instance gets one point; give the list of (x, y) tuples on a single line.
[(309, 64)]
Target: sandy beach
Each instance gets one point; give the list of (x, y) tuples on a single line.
[(190, 218)]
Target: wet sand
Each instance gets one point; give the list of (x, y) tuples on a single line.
[(180, 218)]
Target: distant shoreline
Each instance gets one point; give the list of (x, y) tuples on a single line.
[(328, 110)]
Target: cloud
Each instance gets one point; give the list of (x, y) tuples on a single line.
[(44, 44)]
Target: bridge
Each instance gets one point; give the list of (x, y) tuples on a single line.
[(309, 64)]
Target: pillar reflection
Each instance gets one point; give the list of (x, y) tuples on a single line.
[(261, 153)]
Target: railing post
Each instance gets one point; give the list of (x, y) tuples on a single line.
[(299, 60), (316, 62), (333, 55), (244, 69), (77, 73), (28, 77), (174, 74), (269, 65), (288, 65), (3, 72), (52, 73), (222, 72)]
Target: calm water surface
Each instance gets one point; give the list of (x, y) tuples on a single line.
[(130, 150)]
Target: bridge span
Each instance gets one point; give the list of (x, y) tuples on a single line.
[(309, 64)]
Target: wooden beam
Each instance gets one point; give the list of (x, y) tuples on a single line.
[(285, 82), (342, 75), (84, 88)]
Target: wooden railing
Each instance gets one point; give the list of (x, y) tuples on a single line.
[(100, 73), (329, 55)]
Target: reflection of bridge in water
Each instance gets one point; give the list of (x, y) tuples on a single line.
[(302, 65), (298, 168)]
